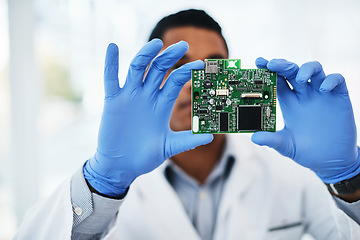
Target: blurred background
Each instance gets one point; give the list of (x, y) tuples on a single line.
[(52, 58)]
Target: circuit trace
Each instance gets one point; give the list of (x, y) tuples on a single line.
[(228, 99)]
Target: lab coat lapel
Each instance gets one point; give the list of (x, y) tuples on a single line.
[(234, 215), (162, 201), (239, 178)]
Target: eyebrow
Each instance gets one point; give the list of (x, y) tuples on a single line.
[(186, 59), (213, 56)]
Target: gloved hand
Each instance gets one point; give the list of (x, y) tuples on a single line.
[(134, 135), (320, 131)]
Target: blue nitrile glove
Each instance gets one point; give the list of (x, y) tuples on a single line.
[(320, 131), (134, 135)]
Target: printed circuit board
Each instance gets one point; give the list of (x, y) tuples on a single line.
[(228, 99)]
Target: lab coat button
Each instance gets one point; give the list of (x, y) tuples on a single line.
[(78, 211)]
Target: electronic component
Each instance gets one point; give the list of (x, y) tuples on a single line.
[(222, 92), (219, 107), (196, 95), (202, 111), (249, 118), (251, 95), (211, 66), (207, 84), (224, 121), (232, 99), (234, 82)]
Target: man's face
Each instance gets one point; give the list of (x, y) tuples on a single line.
[(204, 44)]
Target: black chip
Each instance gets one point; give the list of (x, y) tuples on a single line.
[(249, 118), (207, 84), (204, 97), (224, 121), (202, 111), (241, 89), (233, 82), (219, 107), (258, 82)]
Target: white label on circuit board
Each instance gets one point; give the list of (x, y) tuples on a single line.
[(195, 124)]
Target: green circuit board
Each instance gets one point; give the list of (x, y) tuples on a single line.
[(228, 99)]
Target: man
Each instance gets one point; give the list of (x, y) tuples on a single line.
[(223, 187)]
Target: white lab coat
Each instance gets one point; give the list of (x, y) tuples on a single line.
[(264, 191)]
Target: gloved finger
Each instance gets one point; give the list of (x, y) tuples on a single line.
[(311, 70), (283, 91), (162, 63), (280, 141), (288, 70), (261, 62), (334, 82), (111, 71), (178, 142), (176, 80), (140, 62)]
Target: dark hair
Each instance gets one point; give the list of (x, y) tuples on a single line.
[(190, 17)]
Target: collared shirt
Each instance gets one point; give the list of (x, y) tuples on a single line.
[(201, 201)]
